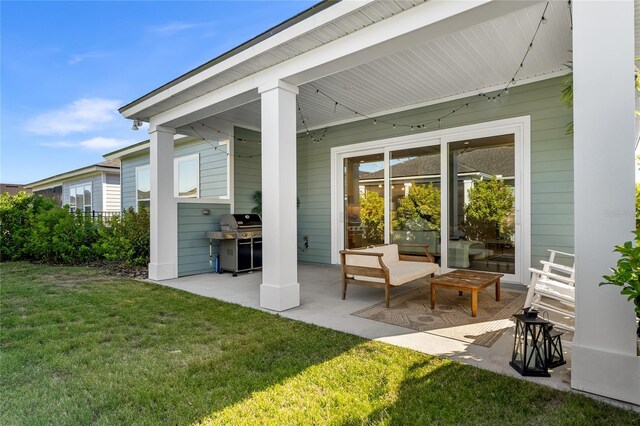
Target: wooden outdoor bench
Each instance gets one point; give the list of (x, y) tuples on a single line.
[(383, 267)]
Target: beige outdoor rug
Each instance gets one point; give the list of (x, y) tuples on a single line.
[(452, 316)]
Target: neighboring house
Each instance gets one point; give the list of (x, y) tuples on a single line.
[(89, 189), (12, 188), (348, 83)]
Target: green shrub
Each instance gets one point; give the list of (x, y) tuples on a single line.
[(126, 238), (626, 274), (421, 208), (35, 228), (17, 216), (61, 236), (372, 217), (489, 210)]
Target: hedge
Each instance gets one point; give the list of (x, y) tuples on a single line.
[(34, 228)]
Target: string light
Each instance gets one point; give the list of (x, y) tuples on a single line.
[(494, 98), (307, 132), (512, 82), (219, 147), (314, 136)]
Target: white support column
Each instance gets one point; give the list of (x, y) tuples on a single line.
[(164, 215), (604, 357), (280, 289)]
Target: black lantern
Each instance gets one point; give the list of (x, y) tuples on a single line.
[(555, 356), (529, 356)]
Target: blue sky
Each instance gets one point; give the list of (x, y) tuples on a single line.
[(66, 67)]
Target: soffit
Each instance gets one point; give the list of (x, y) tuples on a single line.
[(478, 57), (344, 25)]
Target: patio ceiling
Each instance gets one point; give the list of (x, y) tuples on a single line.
[(478, 58)]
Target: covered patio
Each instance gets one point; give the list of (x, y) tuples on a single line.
[(359, 78)]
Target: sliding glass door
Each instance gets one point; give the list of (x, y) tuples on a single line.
[(459, 192), (481, 204)]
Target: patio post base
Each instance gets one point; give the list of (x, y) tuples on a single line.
[(162, 271), (279, 297), (616, 375)]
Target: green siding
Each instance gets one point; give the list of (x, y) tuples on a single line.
[(213, 166), (213, 170), (128, 179), (193, 248), (551, 164), (247, 169)]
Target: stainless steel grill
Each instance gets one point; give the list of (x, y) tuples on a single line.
[(240, 238)]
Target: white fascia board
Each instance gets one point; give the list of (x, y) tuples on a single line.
[(118, 155), (212, 103), (64, 177), (421, 23), (140, 148), (315, 21)]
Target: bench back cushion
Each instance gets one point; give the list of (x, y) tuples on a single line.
[(389, 251)]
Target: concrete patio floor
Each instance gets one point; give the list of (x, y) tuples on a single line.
[(321, 304)]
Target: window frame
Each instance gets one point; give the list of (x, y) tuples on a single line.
[(137, 171), (176, 177), (74, 207)]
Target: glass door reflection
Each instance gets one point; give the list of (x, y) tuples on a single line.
[(481, 205), (364, 200), (414, 196)]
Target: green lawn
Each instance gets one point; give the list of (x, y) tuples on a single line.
[(80, 346)]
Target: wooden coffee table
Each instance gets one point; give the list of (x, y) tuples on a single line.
[(469, 281)]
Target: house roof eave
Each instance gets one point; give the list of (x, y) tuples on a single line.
[(62, 177), (143, 146), (316, 8)]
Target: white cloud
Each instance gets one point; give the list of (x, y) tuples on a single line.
[(104, 143), (82, 115), (97, 144), (80, 57), (174, 27)]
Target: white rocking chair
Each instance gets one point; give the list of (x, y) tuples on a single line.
[(552, 290)]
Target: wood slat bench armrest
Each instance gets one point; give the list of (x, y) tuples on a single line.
[(360, 253), (365, 271), (557, 277), (381, 272)]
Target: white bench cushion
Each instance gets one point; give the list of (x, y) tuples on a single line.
[(402, 272)]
